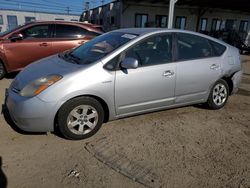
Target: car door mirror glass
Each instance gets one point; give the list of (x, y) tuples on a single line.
[(16, 36), (129, 63)]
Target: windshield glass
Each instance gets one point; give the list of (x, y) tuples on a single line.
[(97, 48)]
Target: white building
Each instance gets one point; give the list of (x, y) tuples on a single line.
[(205, 16), (12, 18)]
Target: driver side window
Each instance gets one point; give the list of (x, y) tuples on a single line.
[(38, 31), (154, 50)]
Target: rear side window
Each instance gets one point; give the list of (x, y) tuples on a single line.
[(71, 31), (218, 49), (192, 47)]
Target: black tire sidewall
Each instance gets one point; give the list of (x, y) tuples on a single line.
[(210, 101), (69, 106)]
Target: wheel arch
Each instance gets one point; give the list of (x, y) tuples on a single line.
[(229, 81), (99, 99)]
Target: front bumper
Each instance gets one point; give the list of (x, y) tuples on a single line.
[(30, 114), (236, 81)]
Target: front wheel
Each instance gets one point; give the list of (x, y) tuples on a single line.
[(218, 95), (80, 118)]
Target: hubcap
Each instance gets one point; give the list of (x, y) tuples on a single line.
[(82, 119), (219, 94)]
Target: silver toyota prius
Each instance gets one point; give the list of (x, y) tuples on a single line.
[(122, 73)]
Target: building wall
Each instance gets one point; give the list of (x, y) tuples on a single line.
[(38, 16), (124, 15)]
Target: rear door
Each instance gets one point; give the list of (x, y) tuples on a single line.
[(152, 84), (68, 36), (198, 68), (36, 44)]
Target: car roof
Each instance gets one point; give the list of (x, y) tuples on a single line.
[(145, 31)]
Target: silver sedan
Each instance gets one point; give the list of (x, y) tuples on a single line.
[(119, 74)]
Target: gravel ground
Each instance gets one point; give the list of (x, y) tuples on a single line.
[(183, 147)]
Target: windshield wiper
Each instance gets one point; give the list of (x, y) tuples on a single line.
[(71, 57)]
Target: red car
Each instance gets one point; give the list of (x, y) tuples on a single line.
[(36, 40)]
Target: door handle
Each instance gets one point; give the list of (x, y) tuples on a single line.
[(44, 44), (214, 66), (168, 73)]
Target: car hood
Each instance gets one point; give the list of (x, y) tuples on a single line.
[(47, 66)]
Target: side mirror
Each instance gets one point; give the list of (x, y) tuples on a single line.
[(16, 36), (129, 63)]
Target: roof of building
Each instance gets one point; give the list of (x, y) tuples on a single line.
[(241, 5), (44, 12)]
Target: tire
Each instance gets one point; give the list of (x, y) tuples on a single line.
[(80, 118), (2, 70), (218, 95)]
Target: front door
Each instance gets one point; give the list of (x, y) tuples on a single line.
[(36, 44), (152, 84)]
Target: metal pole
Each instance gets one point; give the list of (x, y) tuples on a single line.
[(171, 13)]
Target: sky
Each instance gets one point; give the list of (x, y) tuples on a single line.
[(61, 6)]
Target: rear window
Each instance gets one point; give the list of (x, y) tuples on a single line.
[(71, 31), (218, 49)]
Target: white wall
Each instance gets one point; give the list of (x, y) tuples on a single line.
[(39, 16)]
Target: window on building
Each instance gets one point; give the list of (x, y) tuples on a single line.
[(216, 23), (161, 21), (74, 20), (101, 21), (154, 50), (38, 31), (141, 20), (59, 19), (192, 47), (243, 26), (112, 20), (1, 20), (29, 19), (203, 24), (180, 22), (229, 25), (12, 22)]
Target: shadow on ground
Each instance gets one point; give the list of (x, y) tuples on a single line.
[(3, 178), (11, 75)]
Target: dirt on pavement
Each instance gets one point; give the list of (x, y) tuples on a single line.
[(183, 147)]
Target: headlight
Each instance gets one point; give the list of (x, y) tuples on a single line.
[(37, 86)]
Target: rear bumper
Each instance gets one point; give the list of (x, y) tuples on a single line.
[(236, 81), (30, 114)]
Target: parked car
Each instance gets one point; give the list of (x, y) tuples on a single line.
[(33, 41), (123, 73)]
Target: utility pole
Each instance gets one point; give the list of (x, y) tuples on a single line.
[(67, 10), (171, 13)]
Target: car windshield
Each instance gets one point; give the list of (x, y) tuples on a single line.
[(97, 48)]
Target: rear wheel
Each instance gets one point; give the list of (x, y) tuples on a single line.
[(80, 118), (218, 95), (2, 70)]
